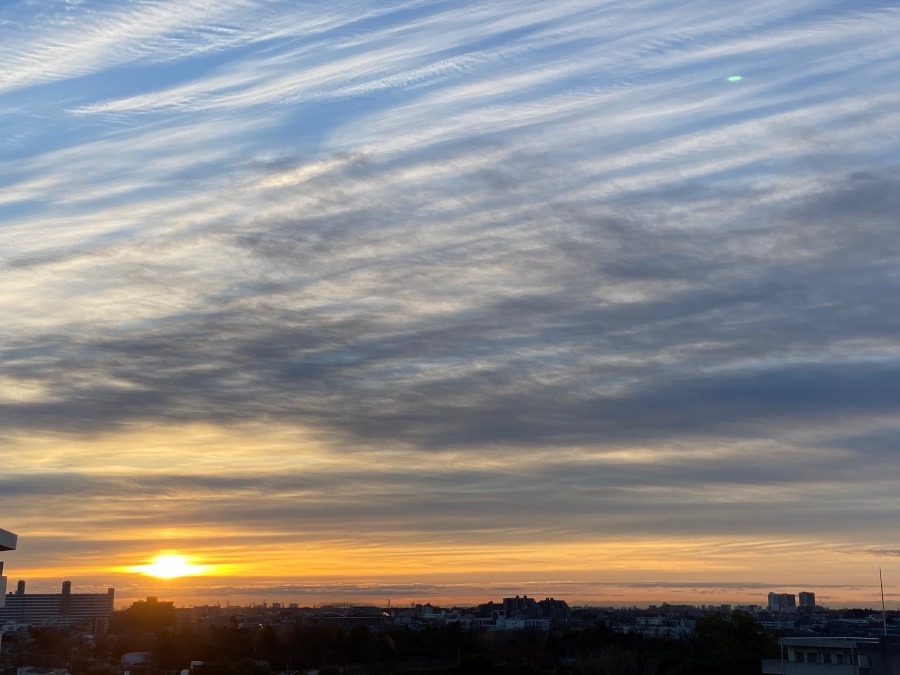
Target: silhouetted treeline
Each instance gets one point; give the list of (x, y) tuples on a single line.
[(720, 645)]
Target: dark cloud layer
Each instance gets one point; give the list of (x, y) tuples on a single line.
[(736, 327)]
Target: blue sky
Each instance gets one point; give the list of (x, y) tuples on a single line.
[(366, 279)]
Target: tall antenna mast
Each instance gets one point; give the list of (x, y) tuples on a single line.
[(883, 612)]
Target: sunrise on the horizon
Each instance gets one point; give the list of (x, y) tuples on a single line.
[(172, 566), (443, 301)]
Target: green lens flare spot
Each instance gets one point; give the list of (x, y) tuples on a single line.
[(735, 78)]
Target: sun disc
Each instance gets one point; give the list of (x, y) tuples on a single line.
[(171, 566)]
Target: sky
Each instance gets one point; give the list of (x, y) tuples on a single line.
[(433, 300)]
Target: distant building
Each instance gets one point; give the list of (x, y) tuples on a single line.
[(513, 606), (663, 627), (807, 599), (556, 610), (779, 602), (523, 607), (192, 616), (62, 610), (504, 624), (346, 616)]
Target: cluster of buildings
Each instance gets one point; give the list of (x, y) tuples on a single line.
[(514, 613), (786, 602), (666, 621)]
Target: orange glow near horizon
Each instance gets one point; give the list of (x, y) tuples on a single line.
[(271, 507), (612, 572)]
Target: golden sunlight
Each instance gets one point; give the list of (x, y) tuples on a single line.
[(172, 566)]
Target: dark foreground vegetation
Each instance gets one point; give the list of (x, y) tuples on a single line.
[(731, 645)]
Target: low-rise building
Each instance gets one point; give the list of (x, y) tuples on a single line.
[(836, 656)]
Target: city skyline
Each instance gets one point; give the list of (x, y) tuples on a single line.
[(773, 602), (587, 299)]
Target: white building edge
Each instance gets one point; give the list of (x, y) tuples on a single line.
[(7, 543)]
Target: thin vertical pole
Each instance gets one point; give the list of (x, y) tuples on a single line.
[(883, 611)]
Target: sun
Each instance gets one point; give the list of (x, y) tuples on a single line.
[(171, 566)]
